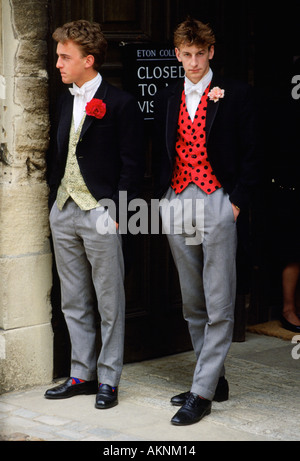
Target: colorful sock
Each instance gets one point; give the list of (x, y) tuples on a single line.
[(113, 388), (77, 381)]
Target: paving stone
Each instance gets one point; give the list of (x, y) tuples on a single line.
[(263, 404)]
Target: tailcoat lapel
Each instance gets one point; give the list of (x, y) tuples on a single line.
[(67, 114), (100, 94), (65, 121), (212, 107)]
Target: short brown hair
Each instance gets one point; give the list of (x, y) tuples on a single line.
[(194, 32), (87, 35)]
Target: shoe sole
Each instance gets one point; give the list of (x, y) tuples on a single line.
[(60, 397), (105, 407)]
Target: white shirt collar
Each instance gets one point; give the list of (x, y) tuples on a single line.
[(202, 84), (88, 89), (82, 96)]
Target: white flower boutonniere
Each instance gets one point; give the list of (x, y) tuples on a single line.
[(215, 94)]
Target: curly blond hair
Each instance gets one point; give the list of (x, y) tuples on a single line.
[(87, 35)]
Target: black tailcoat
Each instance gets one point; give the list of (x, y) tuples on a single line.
[(110, 151)]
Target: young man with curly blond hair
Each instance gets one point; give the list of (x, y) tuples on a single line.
[(97, 155)]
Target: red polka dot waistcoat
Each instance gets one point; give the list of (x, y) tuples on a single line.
[(191, 163)]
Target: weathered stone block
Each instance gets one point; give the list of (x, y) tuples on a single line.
[(24, 219), (25, 289), (32, 94), (30, 18), (26, 357), (31, 143), (31, 58)]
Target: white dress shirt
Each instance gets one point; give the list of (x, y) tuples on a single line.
[(82, 96), (193, 92)]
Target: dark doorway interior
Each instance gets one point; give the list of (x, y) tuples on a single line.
[(251, 45)]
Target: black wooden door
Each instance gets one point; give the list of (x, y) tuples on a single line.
[(154, 322)]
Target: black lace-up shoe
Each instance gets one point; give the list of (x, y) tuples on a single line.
[(194, 409)]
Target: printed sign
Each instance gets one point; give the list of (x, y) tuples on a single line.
[(146, 69)]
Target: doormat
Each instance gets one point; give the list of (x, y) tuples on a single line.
[(272, 328)]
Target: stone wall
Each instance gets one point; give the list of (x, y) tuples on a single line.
[(26, 355)]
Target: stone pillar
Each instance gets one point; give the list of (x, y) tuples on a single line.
[(26, 340)]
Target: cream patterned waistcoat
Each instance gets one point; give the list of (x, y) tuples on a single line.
[(72, 184)]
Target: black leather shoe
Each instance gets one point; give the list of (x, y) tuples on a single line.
[(180, 399), (67, 389), (106, 397), (192, 411), (289, 326), (221, 394)]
